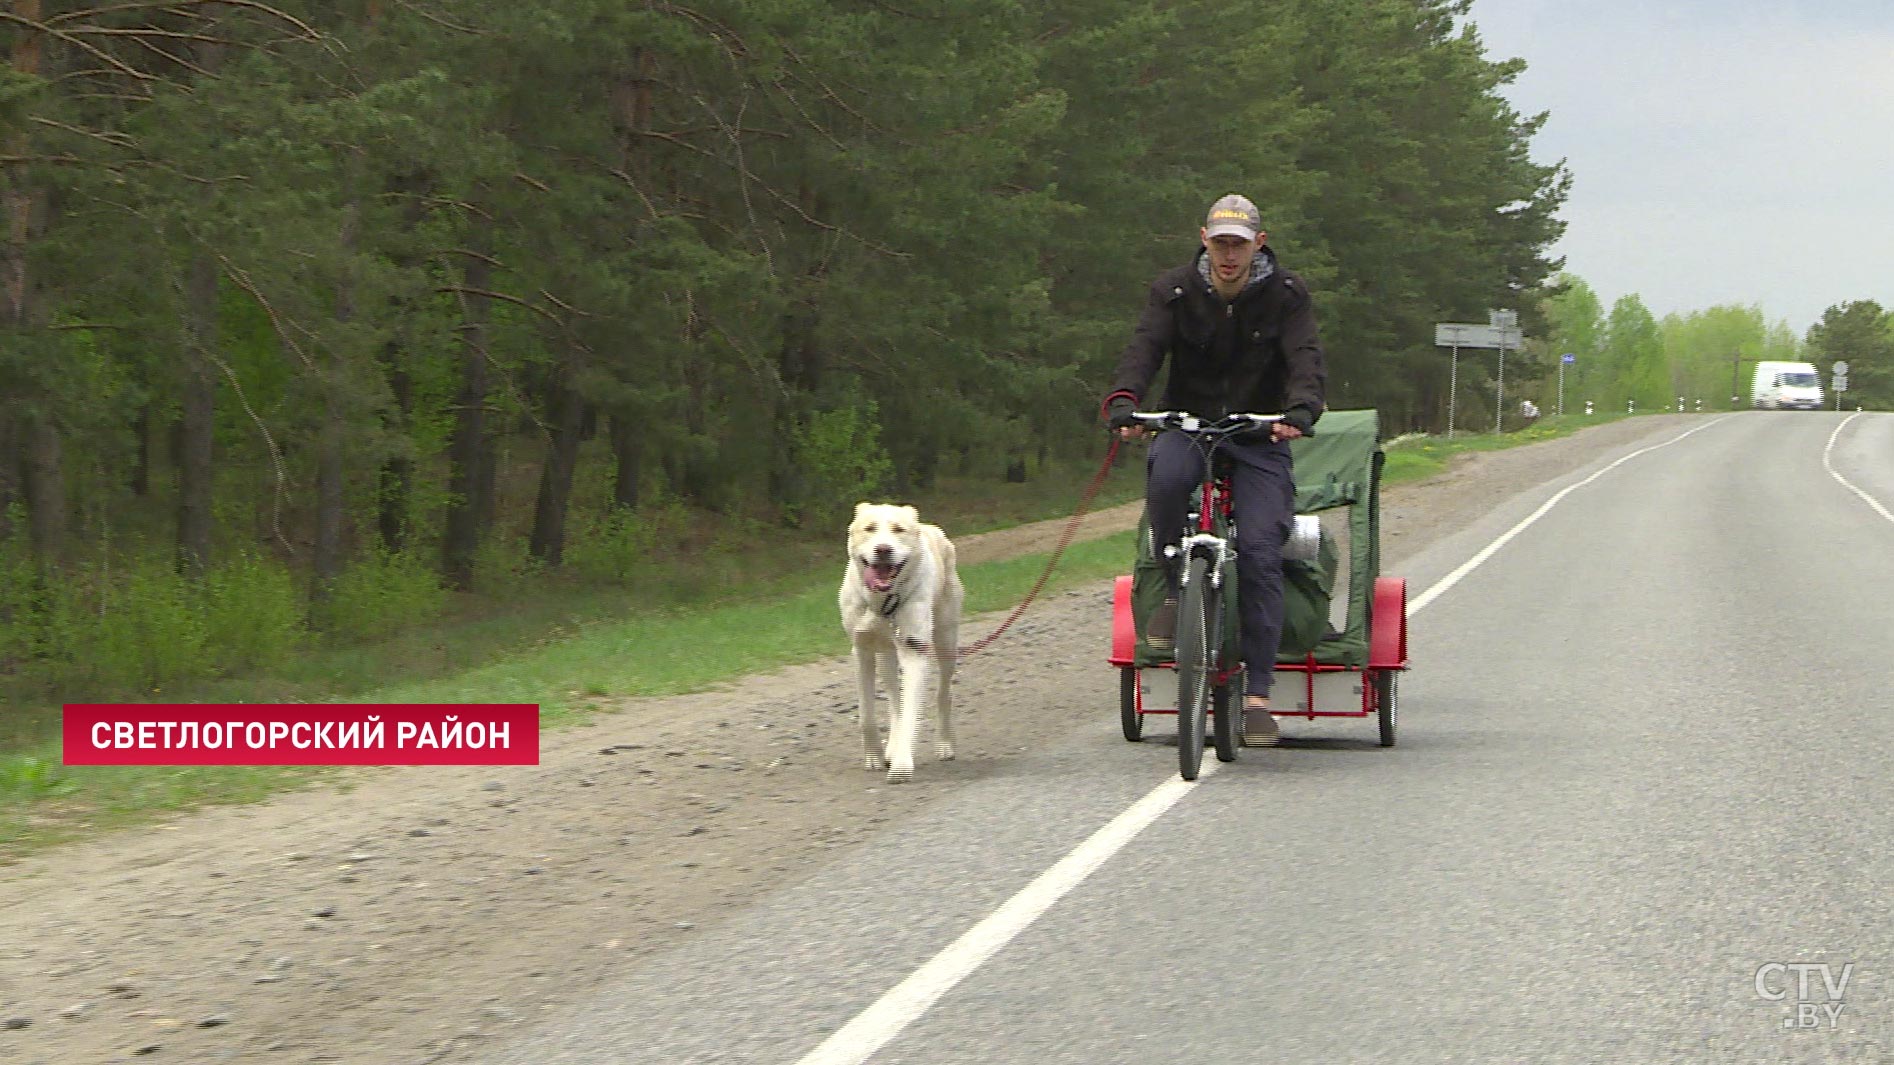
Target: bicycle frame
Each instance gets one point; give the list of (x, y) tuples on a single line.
[(1214, 500), (1214, 492)]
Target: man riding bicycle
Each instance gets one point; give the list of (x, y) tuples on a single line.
[(1241, 336)]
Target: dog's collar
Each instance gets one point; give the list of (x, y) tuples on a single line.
[(890, 603)]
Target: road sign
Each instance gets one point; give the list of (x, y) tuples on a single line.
[(1568, 358), (1458, 334), (1841, 369), (1470, 335), (1503, 319)]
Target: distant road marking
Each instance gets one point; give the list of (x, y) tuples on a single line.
[(1845, 483), (874, 1027)]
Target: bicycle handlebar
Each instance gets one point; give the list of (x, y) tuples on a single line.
[(1192, 424)]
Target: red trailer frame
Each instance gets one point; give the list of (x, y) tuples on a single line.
[(1387, 655)]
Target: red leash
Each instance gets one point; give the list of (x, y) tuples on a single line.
[(1065, 540)]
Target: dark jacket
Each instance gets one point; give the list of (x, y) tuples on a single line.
[(1258, 354)]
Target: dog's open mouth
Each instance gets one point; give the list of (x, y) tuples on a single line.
[(880, 575)]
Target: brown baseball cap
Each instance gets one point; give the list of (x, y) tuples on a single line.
[(1234, 216)]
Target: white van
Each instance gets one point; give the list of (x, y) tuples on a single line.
[(1786, 386)]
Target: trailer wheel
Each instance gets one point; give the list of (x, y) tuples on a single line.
[(1385, 696), (1128, 716), (1226, 703)]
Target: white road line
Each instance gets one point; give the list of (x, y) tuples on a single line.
[(1845, 483), (1441, 586), (881, 1022), (875, 1026)]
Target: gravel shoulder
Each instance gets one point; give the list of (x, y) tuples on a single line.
[(417, 915)]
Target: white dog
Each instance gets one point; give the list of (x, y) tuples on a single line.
[(900, 601)]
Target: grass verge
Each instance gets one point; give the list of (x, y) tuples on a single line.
[(1416, 458), (570, 671)]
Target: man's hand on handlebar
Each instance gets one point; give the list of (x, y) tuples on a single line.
[(1118, 416), (1297, 421)]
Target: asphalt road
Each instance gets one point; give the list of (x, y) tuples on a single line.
[(1644, 783)]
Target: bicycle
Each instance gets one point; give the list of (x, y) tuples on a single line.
[(1202, 555)]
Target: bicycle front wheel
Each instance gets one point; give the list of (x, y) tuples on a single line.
[(1195, 609)]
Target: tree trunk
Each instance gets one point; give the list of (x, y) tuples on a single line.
[(397, 483), (555, 478), (331, 467), (397, 474), (198, 424), (12, 462), (467, 453), (45, 488), (330, 474), (633, 100), (628, 449), (21, 195), (196, 468), (486, 494), (799, 366), (26, 439), (140, 482)]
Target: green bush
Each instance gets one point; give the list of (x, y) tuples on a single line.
[(140, 625), (841, 460), (379, 594), (607, 547), (32, 777), (504, 566), (19, 609), (142, 628), (611, 547), (253, 614)]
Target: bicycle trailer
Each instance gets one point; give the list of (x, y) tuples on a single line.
[(1328, 666)]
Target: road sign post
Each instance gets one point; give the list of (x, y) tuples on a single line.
[(1564, 360), (1453, 387), (1506, 324), (1499, 392), (1457, 335), (1454, 336)]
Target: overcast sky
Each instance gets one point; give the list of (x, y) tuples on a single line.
[(1722, 151)]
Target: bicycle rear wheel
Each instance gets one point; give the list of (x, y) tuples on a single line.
[(1194, 610)]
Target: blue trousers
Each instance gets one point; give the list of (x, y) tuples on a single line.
[(1262, 487)]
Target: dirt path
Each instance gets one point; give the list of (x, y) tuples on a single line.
[(418, 914)]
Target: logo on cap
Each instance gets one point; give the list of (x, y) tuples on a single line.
[(1234, 216)]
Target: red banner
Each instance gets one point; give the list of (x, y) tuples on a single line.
[(302, 734)]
